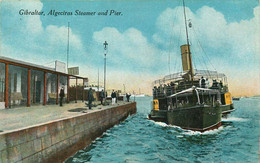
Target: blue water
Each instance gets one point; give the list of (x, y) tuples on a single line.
[(138, 139)]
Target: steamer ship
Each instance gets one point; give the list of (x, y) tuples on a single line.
[(192, 99)]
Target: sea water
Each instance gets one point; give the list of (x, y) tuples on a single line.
[(138, 139)]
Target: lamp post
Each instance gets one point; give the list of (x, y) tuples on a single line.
[(105, 48)]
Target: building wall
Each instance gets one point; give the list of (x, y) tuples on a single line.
[(57, 140), (22, 75)]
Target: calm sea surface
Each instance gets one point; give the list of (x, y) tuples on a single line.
[(138, 139)]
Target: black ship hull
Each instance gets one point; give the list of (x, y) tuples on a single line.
[(197, 118), (159, 116)]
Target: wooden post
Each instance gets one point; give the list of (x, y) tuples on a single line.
[(68, 86), (29, 87), (6, 85), (76, 97), (45, 91), (57, 94)]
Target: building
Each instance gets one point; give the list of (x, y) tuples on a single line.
[(26, 84)]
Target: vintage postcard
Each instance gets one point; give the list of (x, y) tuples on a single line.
[(180, 79)]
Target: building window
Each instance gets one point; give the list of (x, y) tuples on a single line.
[(2, 85), (51, 88), (80, 90), (17, 85), (37, 87)]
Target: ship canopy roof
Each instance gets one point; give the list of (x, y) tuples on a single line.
[(196, 89), (175, 77)]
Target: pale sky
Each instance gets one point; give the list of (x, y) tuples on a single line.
[(224, 37)]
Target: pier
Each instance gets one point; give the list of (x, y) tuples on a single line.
[(53, 133)]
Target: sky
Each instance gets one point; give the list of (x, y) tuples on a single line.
[(143, 38)]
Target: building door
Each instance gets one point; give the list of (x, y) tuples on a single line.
[(38, 91)]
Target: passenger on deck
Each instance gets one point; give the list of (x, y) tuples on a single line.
[(220, 85), (207, 83), (164, 89), (202, 82), (159, 89), (169, 90), (172, 87), (155, 92), (214, 84)]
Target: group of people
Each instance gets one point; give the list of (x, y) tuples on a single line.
[(163, 90), (171, 88), (115, 96), (204, 83), (102, 95), (217, 85), (91, 97)]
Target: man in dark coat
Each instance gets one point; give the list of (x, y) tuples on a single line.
[(128, 96), (113, 96), (61, 95), (90, 98), (102, 96)]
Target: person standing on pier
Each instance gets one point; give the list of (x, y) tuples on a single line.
[(128, 96), (113, 95), (101, 96), (117, 95), (90, 98), (61, 95)]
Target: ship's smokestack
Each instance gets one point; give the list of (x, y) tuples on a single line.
[(186, 59)]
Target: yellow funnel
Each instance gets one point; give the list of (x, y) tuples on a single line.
[(186, 59)]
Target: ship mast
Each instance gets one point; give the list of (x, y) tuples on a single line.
[(187, 35)]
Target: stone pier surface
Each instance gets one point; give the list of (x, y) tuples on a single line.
[(53, 133)]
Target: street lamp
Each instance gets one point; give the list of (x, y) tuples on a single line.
[(105, 48)]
